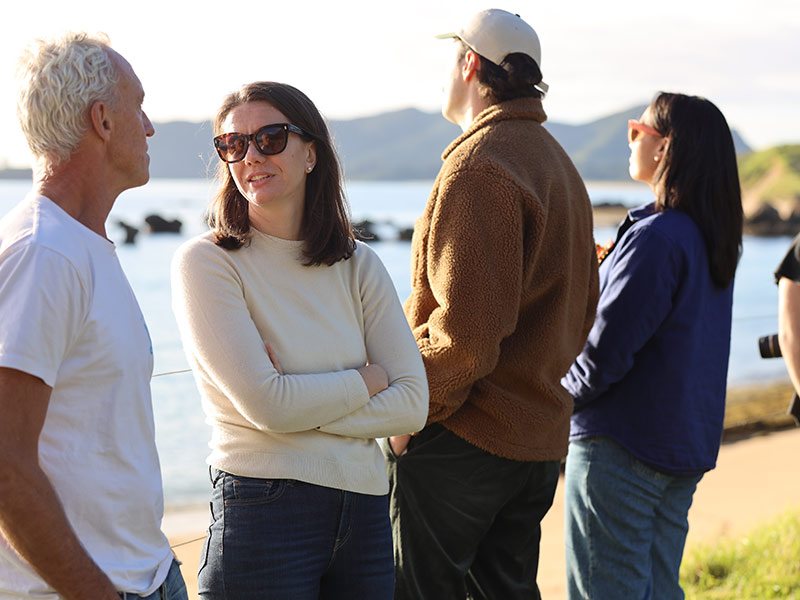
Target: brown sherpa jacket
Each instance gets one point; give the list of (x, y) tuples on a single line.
[(504, 284)]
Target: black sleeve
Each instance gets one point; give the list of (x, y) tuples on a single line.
[(790, 265)]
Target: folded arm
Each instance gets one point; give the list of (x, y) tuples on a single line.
[(221, 337), (403, 406)]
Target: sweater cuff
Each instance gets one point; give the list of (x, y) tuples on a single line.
[(357, 394)]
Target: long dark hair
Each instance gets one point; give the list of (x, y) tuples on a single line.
[(698, 176), (325, 229)]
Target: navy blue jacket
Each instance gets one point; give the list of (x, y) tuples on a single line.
[(653, 373)]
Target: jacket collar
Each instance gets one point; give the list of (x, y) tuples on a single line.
[(520, 108), (642, 212)]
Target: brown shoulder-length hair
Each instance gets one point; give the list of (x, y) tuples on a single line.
[(698, 176), (326, 228)]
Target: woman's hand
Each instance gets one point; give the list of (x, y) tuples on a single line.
[(375, 378), (399, 443)]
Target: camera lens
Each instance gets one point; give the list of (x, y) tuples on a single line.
[(769, 347)]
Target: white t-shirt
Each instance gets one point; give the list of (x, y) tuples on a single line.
[(70, 318)]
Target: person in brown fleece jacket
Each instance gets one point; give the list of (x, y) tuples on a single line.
[(504, 292)]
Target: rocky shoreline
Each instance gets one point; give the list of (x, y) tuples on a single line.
[(764, 221), (758, 408), (767, 220)]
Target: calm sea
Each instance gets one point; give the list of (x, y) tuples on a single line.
[(182, 434)]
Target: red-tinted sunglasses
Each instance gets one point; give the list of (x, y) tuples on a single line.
[(635, 128), (270, 139)]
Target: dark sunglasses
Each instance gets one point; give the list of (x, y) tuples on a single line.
[(270, 139)]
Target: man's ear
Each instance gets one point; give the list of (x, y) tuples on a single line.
[(100, 119), (472, 63)]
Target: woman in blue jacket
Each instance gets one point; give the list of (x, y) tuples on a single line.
[(649, 386)]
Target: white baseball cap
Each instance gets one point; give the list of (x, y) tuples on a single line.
[(495, 33)]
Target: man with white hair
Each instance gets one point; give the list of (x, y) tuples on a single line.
[(80, 485), (504, 292)]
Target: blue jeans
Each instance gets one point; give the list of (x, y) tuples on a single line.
[(285, 539), (173, 588), (625, 524)]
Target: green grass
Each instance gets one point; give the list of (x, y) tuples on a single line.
[(756, 165), (764, 564)]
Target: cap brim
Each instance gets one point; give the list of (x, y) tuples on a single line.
[(444, 36)]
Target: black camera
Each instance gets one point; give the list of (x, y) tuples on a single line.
[(769, 346)]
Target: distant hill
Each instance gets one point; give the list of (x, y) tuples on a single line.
[(404, 144), (182, 149), (401, 145), (15, 174), (408, 144), (600, 148), (771, 177)]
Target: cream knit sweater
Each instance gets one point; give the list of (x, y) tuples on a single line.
[(316, 423)]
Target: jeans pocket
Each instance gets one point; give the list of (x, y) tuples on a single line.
[(248, 491), (207, 543), (175, 586), (429, 434), (645, 471)]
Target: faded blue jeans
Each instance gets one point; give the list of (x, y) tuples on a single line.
[(625, 524), (173, 588), (285, 539)]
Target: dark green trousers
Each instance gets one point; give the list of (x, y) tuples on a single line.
[(465, 523)]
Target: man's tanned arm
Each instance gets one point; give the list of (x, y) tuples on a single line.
[(31, 516)]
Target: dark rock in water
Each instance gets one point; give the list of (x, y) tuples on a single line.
[(766, 213), (767, 221), (130, 232), (364, 231), (608, 204), (405, 234), (158, 224)]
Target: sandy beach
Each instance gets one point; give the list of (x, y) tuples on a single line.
[(755, 480)]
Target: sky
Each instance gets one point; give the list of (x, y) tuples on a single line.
[(362, 57)]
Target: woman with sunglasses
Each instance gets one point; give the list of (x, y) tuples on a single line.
[(303, 357), (649, 386)]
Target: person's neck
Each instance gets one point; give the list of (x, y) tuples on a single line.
[(278, 221), (78, 191), (474, 105)]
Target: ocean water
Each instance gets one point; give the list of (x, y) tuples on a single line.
[(181, 432)]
